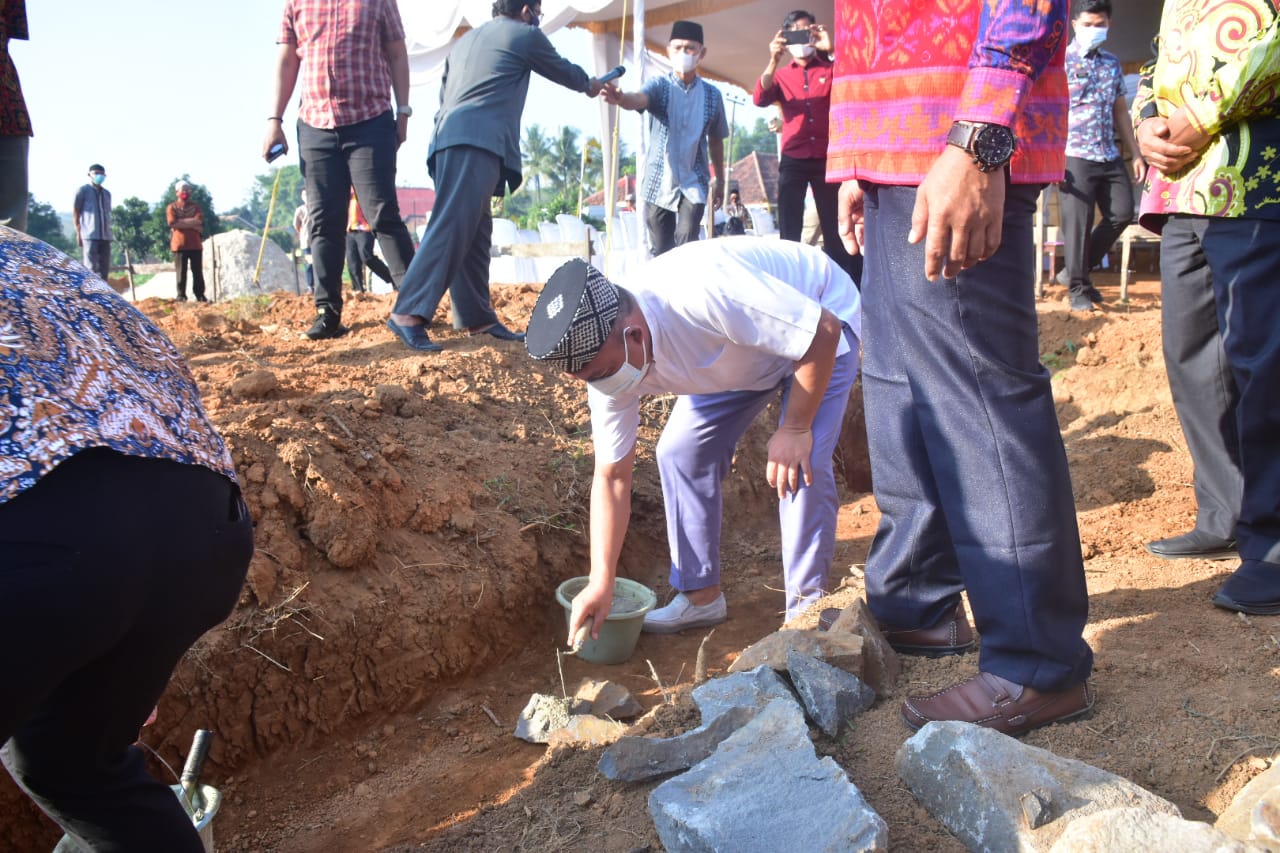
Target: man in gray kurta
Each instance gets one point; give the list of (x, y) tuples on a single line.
[(475, 154)]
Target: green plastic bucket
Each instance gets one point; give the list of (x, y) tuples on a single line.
[(617, 642)]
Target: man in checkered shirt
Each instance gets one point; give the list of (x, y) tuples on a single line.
[(352, 58)]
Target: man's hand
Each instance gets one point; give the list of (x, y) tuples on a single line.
[(275, 134), (958, 214), (1158, 149), (778, 52), (590, 607), (402, 129), (717, 195), (789, 451), (1139, 169), (79, 239), (594, 87), (611, 93), (850, 217), (822, 39)]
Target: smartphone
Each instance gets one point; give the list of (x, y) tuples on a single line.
[(275, 151), (797, 36)]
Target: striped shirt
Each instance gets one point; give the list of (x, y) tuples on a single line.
[(907, 69), (345, 75), (82, 368)]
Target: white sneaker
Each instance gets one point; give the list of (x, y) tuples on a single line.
[(681, 613)]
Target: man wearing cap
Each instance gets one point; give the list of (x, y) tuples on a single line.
[(186, 221), (92, 217), (475, 156), (727, 325), (687, 127)]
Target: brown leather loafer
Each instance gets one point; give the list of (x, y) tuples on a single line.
[(997, 703), (951, 636)]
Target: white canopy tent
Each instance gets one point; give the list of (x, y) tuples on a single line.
[(737, 36)]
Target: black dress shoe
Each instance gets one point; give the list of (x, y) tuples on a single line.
[(502, 333), (1196, 545), (327, 325), (1093, 293), (1252, 588), (414, 337)]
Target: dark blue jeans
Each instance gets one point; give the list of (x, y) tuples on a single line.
[(101, 594), (967, 462), (1244, 256), (361, 155), (795, 175)]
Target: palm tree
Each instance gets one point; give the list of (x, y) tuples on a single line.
[(567, 159), (538, 159)]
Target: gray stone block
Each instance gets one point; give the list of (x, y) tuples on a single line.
[(831, 696), (753, 689), (609, 699), (726, 705), (586, 730), (765, 790), (838, 649), (1237, 819), (880, 664), (994, 792), (1123, 830), (541, 716)]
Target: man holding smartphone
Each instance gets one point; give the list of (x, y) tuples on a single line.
[(347, 132), (798, 79)]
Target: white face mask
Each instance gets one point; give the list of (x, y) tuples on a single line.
[(1090, 37), (685, 62), (800, 51), (627, 377)]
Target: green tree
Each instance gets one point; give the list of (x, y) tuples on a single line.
[(129, 227), (43, 223), (566, 161), (539, 162), (758, 138), (253, 216), (158, 226)]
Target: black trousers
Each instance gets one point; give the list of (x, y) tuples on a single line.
[(671, 228), (1244, 256), (795, 175), (1088, 183), (360, 255), (111, 566), (1204, 391), (193, 258), (361, 155)]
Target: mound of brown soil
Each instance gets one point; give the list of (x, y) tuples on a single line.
[(415, 513)]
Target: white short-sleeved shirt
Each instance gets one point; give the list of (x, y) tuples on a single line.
[(731, 314)]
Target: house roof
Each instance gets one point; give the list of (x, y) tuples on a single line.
[(625, 187), (415, 201), (756, 178)]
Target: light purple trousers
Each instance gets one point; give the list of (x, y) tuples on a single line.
[(694, 456)]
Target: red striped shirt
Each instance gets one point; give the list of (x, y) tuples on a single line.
[(345, 75)]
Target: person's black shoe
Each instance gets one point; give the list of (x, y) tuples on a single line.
[(502, 333), (1095, 295), (182, 297), (201, 299), (1253, 588), (327, 325), (1196, 545)]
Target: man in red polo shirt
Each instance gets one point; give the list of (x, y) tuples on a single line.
[(352, 58), (798, 79)]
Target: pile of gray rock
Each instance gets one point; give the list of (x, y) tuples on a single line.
[(748, 778)]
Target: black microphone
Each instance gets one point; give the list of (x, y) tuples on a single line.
[(614, 74)]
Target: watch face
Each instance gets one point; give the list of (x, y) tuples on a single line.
[(993, 144)]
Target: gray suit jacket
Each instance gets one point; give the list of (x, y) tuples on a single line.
[(486, 81)]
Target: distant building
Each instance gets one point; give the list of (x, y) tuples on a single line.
[(755, 177)]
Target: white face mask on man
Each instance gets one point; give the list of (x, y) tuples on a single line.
[(800, 51), (685, 62), (627, 377), (1089, 38)]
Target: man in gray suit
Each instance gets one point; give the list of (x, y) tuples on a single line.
[(475, 154)]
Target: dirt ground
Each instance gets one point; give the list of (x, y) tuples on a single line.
[(416, 512)]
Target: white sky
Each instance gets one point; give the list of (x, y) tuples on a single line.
[(152, 89)]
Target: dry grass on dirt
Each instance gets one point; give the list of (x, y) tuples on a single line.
[(415, 513)]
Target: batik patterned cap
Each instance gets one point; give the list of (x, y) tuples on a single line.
[(574, 315)]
